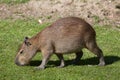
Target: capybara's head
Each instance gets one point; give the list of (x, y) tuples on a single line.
[(25, 52)]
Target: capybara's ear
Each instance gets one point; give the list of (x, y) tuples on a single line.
[(26, 41), (26, 38)]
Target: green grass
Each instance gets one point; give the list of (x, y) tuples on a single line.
[(12, 34), (13, 1)]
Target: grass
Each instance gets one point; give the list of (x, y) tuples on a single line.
[(13, 1), (12, 34)]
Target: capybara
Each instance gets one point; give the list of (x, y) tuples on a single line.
[(64, 36)]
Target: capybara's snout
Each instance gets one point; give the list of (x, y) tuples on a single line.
[(17, 62)]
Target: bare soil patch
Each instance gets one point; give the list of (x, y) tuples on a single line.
[(103, 12)]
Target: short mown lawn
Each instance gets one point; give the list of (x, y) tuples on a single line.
[(12, 33)]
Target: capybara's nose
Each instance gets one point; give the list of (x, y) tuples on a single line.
[(20, 64), (17, 63)]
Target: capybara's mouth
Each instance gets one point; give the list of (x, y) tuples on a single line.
[(21, 64)]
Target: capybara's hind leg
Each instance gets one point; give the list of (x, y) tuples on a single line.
[(92, 46), (78, 57)]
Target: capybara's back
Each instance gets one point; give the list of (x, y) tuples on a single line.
[(68, 35)]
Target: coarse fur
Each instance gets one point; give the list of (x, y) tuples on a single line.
[(64, 36)]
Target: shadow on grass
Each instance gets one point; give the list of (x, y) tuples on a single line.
[(89, 61)]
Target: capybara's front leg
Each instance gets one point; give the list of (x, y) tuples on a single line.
[(45, 59), (62, 62)]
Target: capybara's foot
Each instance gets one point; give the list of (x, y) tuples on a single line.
[(101, 64), (40, 68), (61, 66), (76, 61)]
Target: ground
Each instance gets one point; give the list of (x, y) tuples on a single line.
[(19, 18), (12, 33), (103, 12)]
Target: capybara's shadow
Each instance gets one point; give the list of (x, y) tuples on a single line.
[(89, 61)]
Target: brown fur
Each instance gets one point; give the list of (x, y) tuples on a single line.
[(66, 35)]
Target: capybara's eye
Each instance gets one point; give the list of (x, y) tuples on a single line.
[(21, 51)]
